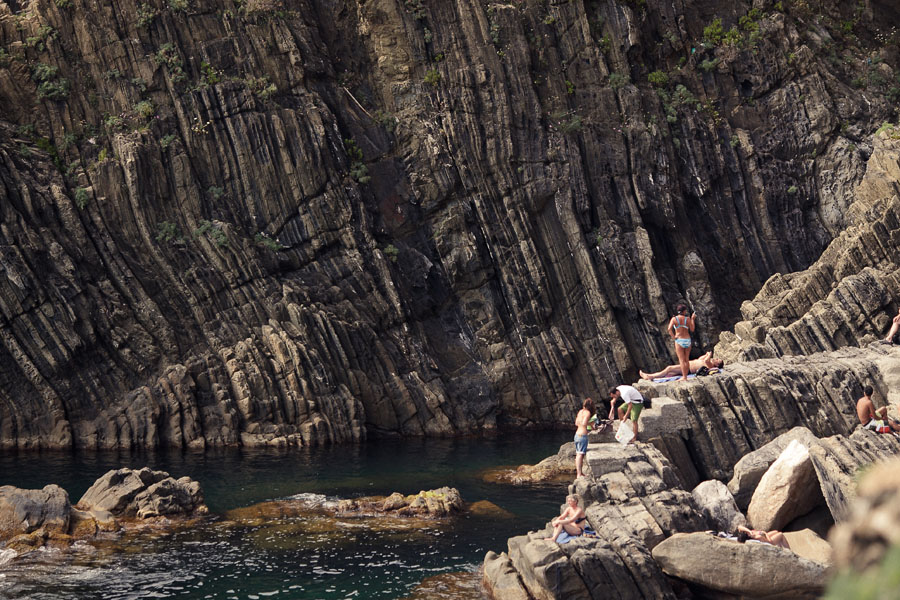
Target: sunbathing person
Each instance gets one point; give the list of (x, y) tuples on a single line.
[(774, 537), (871, 418), (573, 520), (673, 370)]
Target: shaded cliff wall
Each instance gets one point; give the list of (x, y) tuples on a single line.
[(306, 221)]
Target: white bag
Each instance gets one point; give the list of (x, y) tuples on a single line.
[(626, 432)]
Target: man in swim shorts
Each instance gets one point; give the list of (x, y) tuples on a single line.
[(870, 418), (581, 434), (632, 407)]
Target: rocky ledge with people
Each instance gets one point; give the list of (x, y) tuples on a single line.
[(653, 537)]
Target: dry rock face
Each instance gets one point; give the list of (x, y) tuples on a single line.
[(748, 570), (295, 223), (718, 505), (788, 489), (441, 502)]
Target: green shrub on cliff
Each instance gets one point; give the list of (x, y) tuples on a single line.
[(713, 33), (81, 198), (50, 84), (432, 77), (146, 14), (658, 78), (167, 56), (617, 80)]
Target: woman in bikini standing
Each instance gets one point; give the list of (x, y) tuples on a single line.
[(680, 328)]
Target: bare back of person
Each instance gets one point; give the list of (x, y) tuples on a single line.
[(865, 410), (581, 421)]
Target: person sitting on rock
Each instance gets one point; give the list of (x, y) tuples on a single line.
[(774, 537), (873, 419), (694, 365), (895, 327), (572, 519)]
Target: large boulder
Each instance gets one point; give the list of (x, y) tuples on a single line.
[(26, 511), (143, 493), (808, 544), (751, 467), (788, 489), (750, 570), (716, 502), (440, 502), (501, 580)]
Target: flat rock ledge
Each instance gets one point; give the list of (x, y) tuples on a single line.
[(120, 501), (751, 569)]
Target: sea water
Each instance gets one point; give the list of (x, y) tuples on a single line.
[(293, 557)]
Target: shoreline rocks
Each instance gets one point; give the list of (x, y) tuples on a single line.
[(118, 502)]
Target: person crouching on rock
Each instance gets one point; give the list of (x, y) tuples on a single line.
[(634, 404), (873, 419), (572, 519), (581, 434), (774, 537)]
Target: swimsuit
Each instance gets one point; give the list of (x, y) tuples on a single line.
[(580, 520), (683, 342)]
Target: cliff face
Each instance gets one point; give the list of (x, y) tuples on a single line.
[(298, 222)]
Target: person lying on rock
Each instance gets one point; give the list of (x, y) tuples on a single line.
[(774, 537), (694, 365), (633, 404), (895, 327), (572, 519), (874, 420), (581, 434)]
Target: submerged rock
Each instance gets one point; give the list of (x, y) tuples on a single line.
[(752, 570)]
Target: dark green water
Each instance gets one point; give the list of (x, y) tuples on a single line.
[(289, 557)]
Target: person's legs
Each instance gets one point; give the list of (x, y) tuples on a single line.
[(669, 371), (572, 529), (683, 360), (581, 442), (895, 327), (881, 413), (635, 414), (776, 538), (556, 531)]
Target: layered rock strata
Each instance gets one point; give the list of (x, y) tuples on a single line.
[(295, 223)]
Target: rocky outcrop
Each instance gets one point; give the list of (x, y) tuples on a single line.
[(749, 570), (750, 404), (753, 465), (633, 503), (848, 296), (143, 493), (718, 506), (25, 511), (119, 502), (295, 223), (441, 502)]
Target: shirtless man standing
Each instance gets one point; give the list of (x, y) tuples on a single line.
[(672, 370), (867, 414)]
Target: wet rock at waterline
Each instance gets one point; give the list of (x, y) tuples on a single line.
[(120, 501), (144, 493)]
